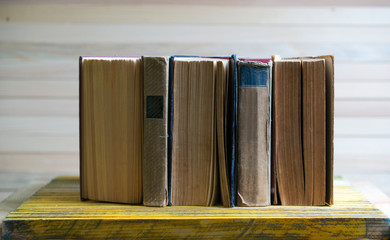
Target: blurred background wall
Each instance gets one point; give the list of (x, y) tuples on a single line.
[(40, 42)]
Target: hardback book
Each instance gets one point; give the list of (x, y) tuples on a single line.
[(254, 133), (111, 129), (199, 129), (302, 131), (155, 144)]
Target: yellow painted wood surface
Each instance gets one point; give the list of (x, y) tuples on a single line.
[(56, 211)]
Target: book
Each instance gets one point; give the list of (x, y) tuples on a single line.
[(155, 144), (198, 160), (313, 130), (287, 137), (329, 93), (232, 129), (254, 133), (302, 133), (111, 129), (207, 131)]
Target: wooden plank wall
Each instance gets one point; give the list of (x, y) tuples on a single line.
[(40, 42)]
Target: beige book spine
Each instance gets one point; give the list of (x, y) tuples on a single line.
[(155, 172), (253, 172)]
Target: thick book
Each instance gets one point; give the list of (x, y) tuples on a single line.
[(199, 131), (313, 130), (254, 133), (111, 129), (302, 136), (155, 144)]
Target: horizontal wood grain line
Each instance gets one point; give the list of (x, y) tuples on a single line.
[(212, 2), (39, 126), (354, 127), (367, 72), (21, 57), (70, 107), (55, 89), (39, 107), (345, 127), (70, 144), (361, 146), (169, 33), (195, 14), (35, 69), (357, 134), (66, 68), (362, 90), (361, 99), (70, 89), (31, 162), (361, 108), (12, 143), (69, 162)]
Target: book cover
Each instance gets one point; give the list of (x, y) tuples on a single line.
[(155, 170), (253, 144)]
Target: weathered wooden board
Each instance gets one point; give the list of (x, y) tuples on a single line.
[(57, 212)]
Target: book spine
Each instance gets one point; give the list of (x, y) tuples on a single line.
[(232, 135), (155, 169), (253, 162), (83, 190), (329, 85), (170, 125)]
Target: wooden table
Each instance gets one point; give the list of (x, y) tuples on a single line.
[(55, 211)]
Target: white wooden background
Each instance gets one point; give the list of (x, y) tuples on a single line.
[(40, 42)]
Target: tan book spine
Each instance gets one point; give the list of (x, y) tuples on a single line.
[(253, 165), (155, 172)]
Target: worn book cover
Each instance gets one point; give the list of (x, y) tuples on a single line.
[(155, 169), (254, 133)]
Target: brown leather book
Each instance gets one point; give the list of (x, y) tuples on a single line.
[(155, 171)]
